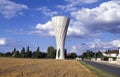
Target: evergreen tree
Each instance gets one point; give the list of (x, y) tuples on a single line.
[(14, 50), (17, 54), (28, 53), (38, 49), (65, 53), (23, 54), (37, 53), (28, 49)]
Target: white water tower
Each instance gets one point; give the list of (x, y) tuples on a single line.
[(60, 24)]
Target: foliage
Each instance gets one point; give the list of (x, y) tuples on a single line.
[(37, 53), (71, 55), (14, 50), (65, 53), (1, 54), (23, 54), (51, 52), (17, 54), (27, 53), (99, 54), (90, 54), (8, 54)]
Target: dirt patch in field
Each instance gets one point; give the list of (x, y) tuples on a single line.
[(12, 67)]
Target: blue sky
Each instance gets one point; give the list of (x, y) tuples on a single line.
[(94, 25)]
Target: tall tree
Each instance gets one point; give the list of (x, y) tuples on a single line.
[(28, 49), (37, 53), (73, 55), (17, 54), (51, 52), (99, 54), (29, 53), (14, 50), (65, 53), (38, 49), (88, 54), (23, 51), (23, 54)]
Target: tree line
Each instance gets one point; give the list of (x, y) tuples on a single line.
[(27, 53), (90, 54)]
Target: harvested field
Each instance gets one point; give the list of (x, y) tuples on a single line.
[(14, 67)]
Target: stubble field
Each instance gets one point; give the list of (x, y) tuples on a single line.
[(14, 67)]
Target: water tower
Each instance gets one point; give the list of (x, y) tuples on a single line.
[(60, 24)]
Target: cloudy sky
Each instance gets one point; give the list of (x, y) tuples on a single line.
[(94, 25)]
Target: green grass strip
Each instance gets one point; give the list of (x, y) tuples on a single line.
[(97, 71)]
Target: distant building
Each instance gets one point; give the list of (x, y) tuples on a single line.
[(77, 58), (118, 56), (112, 53)]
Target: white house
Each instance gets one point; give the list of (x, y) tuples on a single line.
[(113, 53), (118, 54)]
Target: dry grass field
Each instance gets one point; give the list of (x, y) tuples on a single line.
[(14, 67)]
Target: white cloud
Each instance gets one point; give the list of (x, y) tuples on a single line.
[(107, 12), (116, 43), (96, 45), (46, 11), (10, 9), (43, 29), (3, 41), (74, 49), (47, 30), (72, 5), (88, 22), (81, 1), (67, 8), (95, 21), (17, 31), (46, 26)]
